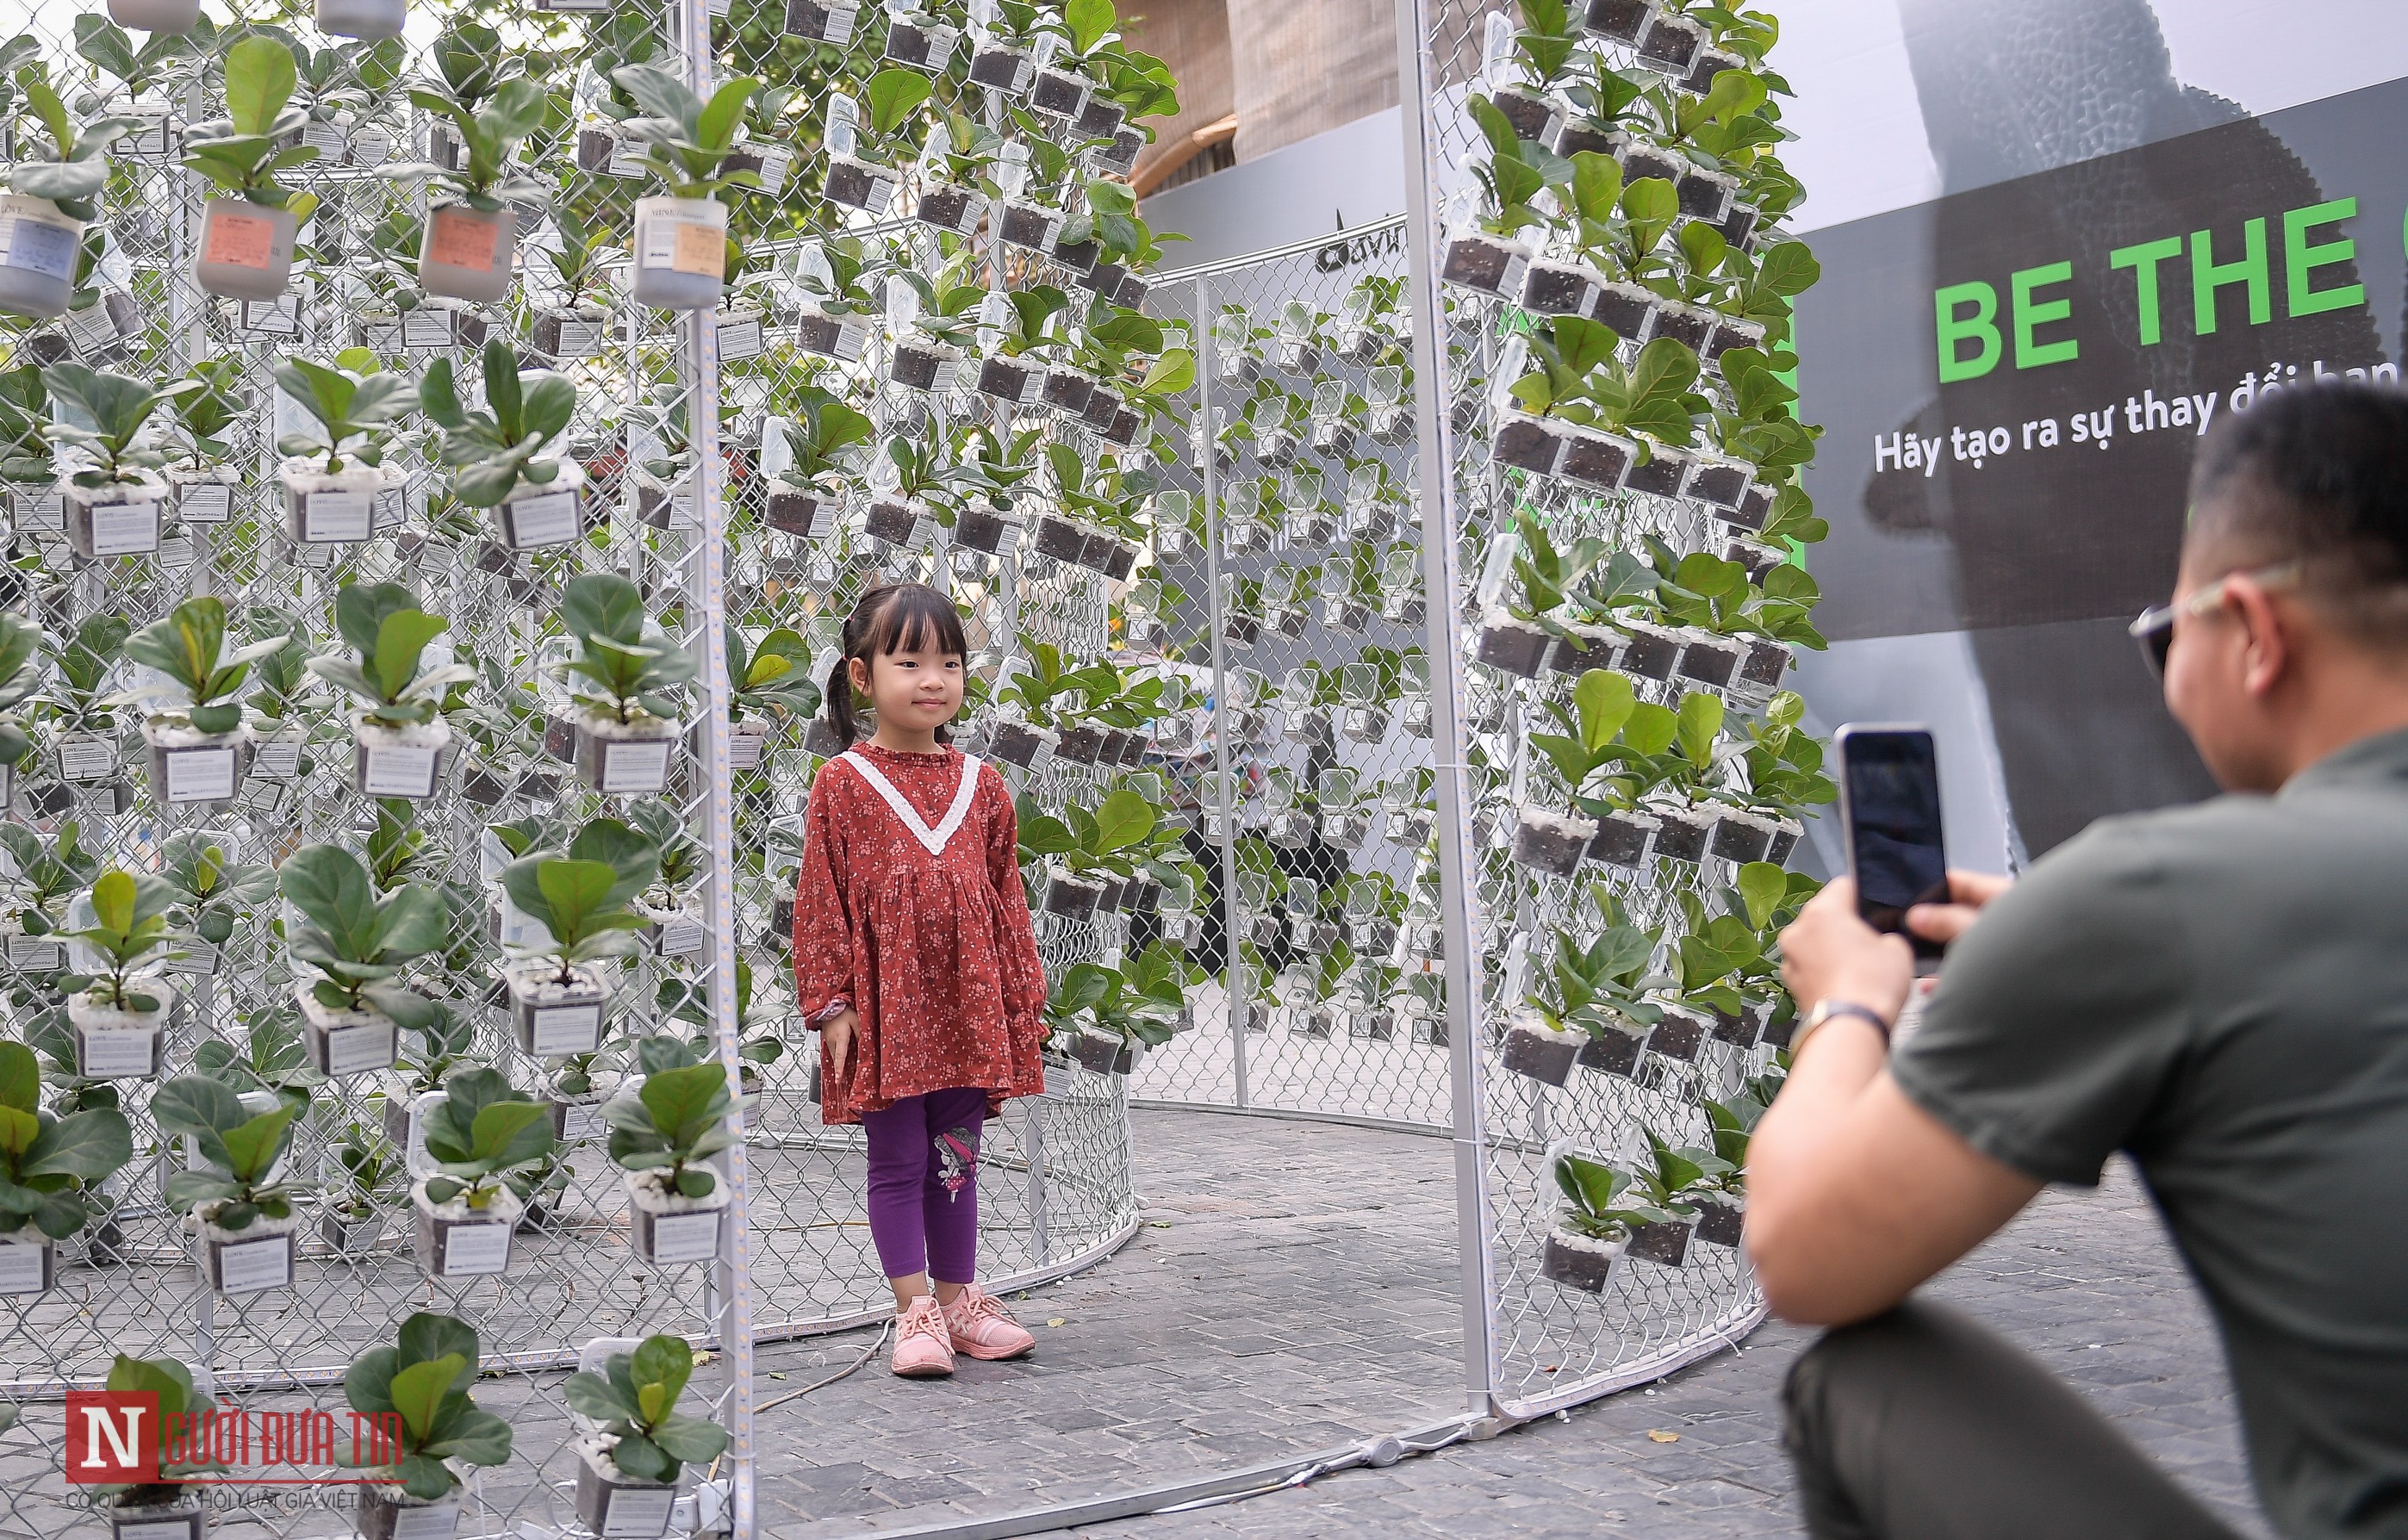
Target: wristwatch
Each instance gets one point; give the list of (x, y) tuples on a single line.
[(1825, 1010)]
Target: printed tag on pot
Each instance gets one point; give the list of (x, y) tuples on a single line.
[(685, 1238), (400, 772), (124, 529), (434, 1521), (277, 758), (476, 1250), (86, 756), (579, 339), (199, 774), (272, 316), (636, 1512), (176, 550), (41, 511), (463, 240), (199, 958), (260, 798), (239, 240), (351, 1049), (565, 1029), (37, 954), (430, 326), (739, 340), (550, 520), (21, 1268), (249, 1266), (107, 1053), (204, 503), (635, 766), (334, 516), (40, 238)]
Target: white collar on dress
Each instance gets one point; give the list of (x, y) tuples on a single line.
[(934, 840)]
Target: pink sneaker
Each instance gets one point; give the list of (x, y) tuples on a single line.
[(982, 1328), (922, 1347)]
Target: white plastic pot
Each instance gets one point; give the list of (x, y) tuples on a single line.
[(170, 16), (369, 19), (535, 517), (37, 257), (465, 252), (680, 252), (246, 250)]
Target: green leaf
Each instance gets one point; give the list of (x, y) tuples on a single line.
[(1650, 730), (1789, 268), (591, 1395), (1700, 721), (417, 1393), (87, 1146), (398, 642), (684, 1101), (330, 887), (661, 1365), (1121, 819), (252, 1147), (21, 1078), (510, 1134), (259, 80), (1088, 21), (1762, 886), (1604, 702)]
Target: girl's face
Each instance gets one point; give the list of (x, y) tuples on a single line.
[(913, 690)]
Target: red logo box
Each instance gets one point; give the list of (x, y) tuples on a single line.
[(112, 1436)]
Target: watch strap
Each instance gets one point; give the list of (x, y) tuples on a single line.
[(1826, 1010)]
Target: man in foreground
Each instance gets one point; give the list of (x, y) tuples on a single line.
[(2221, 991)]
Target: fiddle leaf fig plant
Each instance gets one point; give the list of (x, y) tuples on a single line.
[(674, 1124), (67, 162), (635, 1400), (421, 1383), (116, 408), (49, 1165), (22, 666), (630, 666), (483, 1136), (490, 452), (241, 153), (688, 136), (385, 633), (493, 115), (349, 405), (358, 941), (236, 1183), (189, 649), (580, 898)]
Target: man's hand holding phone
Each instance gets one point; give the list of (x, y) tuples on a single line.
[(1968, 892), (1831, 953)]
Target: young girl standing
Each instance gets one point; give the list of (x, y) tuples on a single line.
[(915, 958)]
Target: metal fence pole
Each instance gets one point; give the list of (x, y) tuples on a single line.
[(734, 1281), (1439, 590), (1208, 472)]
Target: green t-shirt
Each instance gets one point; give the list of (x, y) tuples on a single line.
[(2222, 991)]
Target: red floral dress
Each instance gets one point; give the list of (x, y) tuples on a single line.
[(934, 950)]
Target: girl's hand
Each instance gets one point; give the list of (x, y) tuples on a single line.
[(838, 1034)]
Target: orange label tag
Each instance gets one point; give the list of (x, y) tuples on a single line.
[(463, 240), (700, 251), (241, 240)]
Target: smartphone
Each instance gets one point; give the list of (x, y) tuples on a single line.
[(1889, 808)]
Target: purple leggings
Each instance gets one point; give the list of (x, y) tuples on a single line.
[(924, 1184)]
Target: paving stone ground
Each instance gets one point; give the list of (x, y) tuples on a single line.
[(1293, 1288)]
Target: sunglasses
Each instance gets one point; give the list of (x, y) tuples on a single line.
[(2154, 628)]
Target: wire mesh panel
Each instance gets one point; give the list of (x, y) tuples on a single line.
[(1596, 199)]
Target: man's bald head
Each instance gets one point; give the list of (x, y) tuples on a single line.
[(2317, 475)]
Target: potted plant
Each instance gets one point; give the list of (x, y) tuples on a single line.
[(247, 230), (50, 1168), (168, 1507), (1667, 1181), (580, 898), (1488, 257), (483, 1139), (469, 238), (864, 154), (637, 1441), (1020, 322), (808, 492), (400, 741), (196, 746), (681, 241), (53, 185), (498, 456), (832, 275), (427, 1429), (359, 943), (769, 682), (111, 506), (360, 1187), (23, 671), (958, 160), (627, 720), (235, 1195), (663, 1136), (355, 410), (575, 324), (118, 1016), (1592, 1231)]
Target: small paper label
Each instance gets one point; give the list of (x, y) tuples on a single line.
[(429, 327), (40, 512), (87, 756), (199, 958), (684, 245), (335, 515), (260, 798), (271, 317), (124, 529), (579, 338), (400, 772), (463, 240), (37, 954), (581, 1119), (157, 1530), (326, 139), (744, 752), (550, 520), (39, 242), (738, 340), (685, 1238), (678, 938), (382, 336), (634, 766), (350, 1050), (637, 1512), (567, 1029), (250, 1266), (199, 774), (474, 1250), (434, 1521), (21, 1269), (175, 551), (107, 1053), (277, 758), (627, 160), (239, 240), (90, 328), (205, 503)]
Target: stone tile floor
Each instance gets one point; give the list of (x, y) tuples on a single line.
[(1292, 1288)]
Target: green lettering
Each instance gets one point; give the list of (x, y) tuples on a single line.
[(2207, 276), (1981, 325), (2030, 314), (2143, 259), (2300, 260)]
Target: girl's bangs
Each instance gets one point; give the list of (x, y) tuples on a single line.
[(917, 617)]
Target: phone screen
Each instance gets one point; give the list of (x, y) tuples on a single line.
[(1893, 790)]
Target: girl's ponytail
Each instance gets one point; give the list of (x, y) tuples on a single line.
[(838, 700)]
